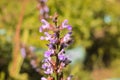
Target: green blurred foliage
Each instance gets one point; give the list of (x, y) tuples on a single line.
[(96, 26)]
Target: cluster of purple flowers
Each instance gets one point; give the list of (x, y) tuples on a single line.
[(43, 9), (55, 58), (28, 52)]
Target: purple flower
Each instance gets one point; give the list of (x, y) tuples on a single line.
[(23, 52), (46, 65), (49, 37), (53, 40), (69, 28), (67, 37), (62, 51), (61, 57), (67, 61), (46, 37), (49, 70), (47, 54), (44, 9), (43, 78), (46, 60), (41, 11), (65, 25), (62, 64), (45, 25), (42, 38), (51, 46)]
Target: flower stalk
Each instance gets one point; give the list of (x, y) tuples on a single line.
[(55, 59)]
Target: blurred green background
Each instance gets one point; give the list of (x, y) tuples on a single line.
[(96, 33)]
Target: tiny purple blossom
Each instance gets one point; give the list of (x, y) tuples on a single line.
[(46, 60), (43, 78), (46, 65), (46, 37), (51, 46), (69, 27), (23, 52), (41, 29), (62, 64), (67, 61), (41, 11), (67, 37), (61, 57), (47, 54), (42, 38), (46, 9), (45, 25), (53, 40), (49, 71), (62, 51), (65, 25)]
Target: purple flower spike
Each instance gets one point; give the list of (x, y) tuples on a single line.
[(52, 40), (55, 59)]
